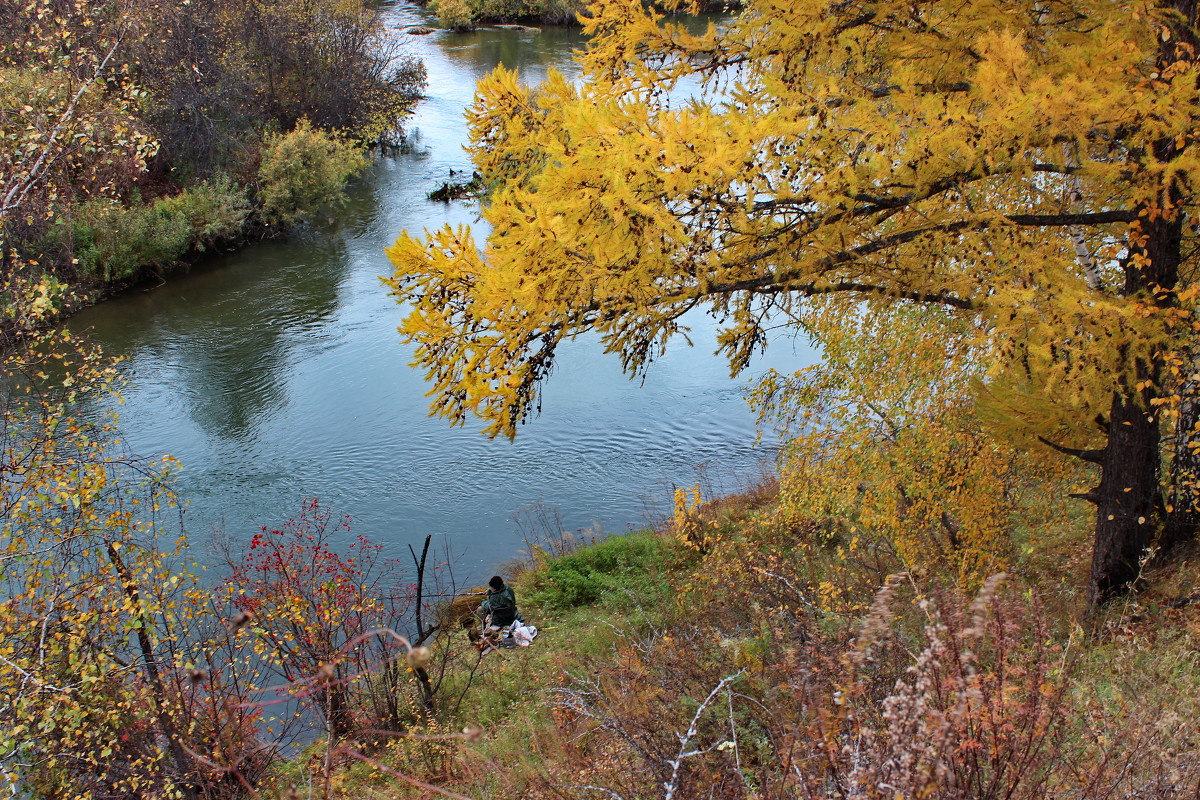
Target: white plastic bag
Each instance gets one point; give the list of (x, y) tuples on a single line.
[(523, 635)]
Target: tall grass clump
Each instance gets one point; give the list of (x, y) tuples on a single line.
[(113, 241), (216, 211), (634, 563)]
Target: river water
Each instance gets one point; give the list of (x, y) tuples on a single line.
[(276, 373)]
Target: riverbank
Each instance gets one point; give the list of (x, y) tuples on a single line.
[(150, 137), (101, 249), (768, 662), (466, 15)]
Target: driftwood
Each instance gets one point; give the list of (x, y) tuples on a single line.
[(458, 191)]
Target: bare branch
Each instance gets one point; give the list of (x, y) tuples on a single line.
[(672, 786)]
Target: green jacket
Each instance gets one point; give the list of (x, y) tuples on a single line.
[(502, 605)]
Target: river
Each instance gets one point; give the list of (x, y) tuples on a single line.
[(276, 373)]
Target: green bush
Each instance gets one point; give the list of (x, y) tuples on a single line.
[(507, 9), (215, 210), (461, 15), (456, 15), (112, 242), (634, 562), (304, 171)]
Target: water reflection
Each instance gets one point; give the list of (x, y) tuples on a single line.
[(522, 50), (224, 350)]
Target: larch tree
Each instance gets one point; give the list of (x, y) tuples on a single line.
[(1026, 165)]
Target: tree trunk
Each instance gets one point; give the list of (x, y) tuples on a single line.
[(183, 761), (1126, 500), (1182, 512), (337, 710), (1128, 497), (1182, 495)]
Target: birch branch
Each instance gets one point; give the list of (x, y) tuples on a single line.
[(17, 193)]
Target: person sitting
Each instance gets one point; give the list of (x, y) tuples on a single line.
[(501, 603)]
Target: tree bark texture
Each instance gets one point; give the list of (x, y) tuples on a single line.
[(1126, 500), (1182, 495)]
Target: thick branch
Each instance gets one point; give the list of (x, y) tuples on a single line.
[(1059, 220), (783, 282), (1090, 456), (928, 298), (956, 87)]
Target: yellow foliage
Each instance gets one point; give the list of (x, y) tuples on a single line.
[(84, 677), (944, 158), (686, 520)]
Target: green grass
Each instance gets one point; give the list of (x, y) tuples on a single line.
[(614, 572), (579, 602)]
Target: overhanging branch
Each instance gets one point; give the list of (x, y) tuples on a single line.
[(1090, 456), (1060, 220)]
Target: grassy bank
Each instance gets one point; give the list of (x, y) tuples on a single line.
[(101, 247), (582, 603), (768, 662), (463, 15)]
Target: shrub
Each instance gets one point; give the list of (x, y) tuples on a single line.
[(461, 15), (454, 14), (508, 9), (944, 699), (303, 171), (215, 210), (112, 242), (318, 614)]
